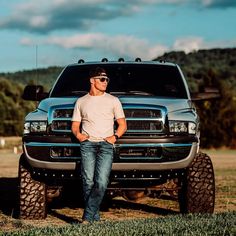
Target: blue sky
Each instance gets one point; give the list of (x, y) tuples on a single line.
[(64, 31)]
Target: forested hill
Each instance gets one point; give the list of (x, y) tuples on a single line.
[(206, 67), (45, 76), (203, 68)]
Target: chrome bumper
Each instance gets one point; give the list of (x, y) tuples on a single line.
[(117, 166)]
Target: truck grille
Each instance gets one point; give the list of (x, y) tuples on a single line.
[(138, 125), (141, 113), (62, 125), (148, 120), (138, 120)]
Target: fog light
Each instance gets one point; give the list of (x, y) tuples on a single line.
[(68, 152), (56, 152)]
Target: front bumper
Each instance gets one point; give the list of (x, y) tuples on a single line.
[(141, 154)]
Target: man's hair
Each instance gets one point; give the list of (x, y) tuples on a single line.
[(96, 72)]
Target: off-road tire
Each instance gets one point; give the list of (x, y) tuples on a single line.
[(32, 194), (197, 194)]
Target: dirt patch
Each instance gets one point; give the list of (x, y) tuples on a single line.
[(68, 209)]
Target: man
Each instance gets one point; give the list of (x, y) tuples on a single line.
[(93, 126)]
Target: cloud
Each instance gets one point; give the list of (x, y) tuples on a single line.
[(125, 46), (188, 44), (191, 43), (45, 16), (119, 46), (218, 3)]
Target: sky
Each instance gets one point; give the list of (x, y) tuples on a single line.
[(43, 33)]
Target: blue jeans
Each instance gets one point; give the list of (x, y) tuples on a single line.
[(96, 163)]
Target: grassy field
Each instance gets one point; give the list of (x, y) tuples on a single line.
[(143, 217), (218, 224)]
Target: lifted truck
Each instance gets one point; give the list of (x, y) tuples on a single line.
[(159, 152)]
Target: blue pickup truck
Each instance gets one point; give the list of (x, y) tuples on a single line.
[(158, 154)]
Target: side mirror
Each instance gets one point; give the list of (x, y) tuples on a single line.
[(207, 94), (34, 93)]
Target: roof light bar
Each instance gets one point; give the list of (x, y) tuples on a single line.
[(81, 61), (104, 60), (121, 59)]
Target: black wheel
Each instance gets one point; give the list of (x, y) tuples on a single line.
[(32, 194), (197, 194)]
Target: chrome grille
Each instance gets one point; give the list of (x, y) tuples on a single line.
[(146, 125), (141, 113), (62, 113), (139, 121), (62, 125), (60, 119), (148, 120)]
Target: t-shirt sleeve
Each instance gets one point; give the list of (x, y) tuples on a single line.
[(118, 110), (76, 113)]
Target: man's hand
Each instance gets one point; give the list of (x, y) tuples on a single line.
[(110, 139), (82, 137), (122, 127), (76, 131)]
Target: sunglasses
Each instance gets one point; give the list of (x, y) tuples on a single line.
[(102, 78)]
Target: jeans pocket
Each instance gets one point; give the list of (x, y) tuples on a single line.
[(108, 143), (84, 143)]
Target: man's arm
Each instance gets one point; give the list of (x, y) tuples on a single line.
[(122, 127), (75, 128)]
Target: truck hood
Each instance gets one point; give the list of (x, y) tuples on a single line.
[(48, 103), (170, 103)]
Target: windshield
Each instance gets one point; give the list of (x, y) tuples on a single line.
[(125, 79)]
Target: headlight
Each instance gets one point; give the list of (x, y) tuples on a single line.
[(35, 127), (182, 127)]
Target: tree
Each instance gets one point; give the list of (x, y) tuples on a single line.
[(218, 119), (12, 108)]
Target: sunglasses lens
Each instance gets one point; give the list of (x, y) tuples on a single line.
[(104, 79)]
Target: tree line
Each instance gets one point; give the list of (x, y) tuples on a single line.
[(212, 68), (204, 68)]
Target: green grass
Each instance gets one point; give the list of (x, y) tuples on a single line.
[(216, 224)]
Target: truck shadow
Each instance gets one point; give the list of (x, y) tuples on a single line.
[(71, 198), (129, 205), (9, 196)]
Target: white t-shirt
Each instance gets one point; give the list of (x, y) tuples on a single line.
[(97, 114)]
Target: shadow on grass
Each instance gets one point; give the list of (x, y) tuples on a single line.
[(128, 205), (63, 217), (9, 196), (70, 198)]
